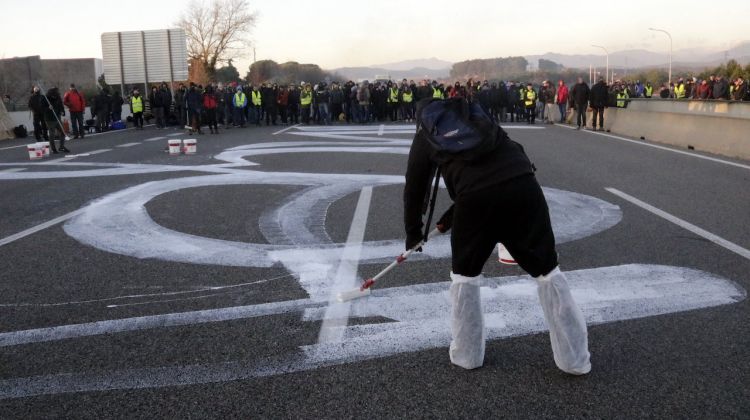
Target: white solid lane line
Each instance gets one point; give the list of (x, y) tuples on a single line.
[(337, 314), (731, 246), (37, 228), (12, 170), (668, 149), (13, 147), (128, 145)]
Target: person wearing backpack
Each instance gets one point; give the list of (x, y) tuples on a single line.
[(496, 198)]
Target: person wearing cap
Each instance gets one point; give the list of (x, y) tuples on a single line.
[(76, 104), (37, 105), (239, 103)]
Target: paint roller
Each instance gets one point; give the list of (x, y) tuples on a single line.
[(364, 289)]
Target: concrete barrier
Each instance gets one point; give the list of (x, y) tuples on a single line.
[(720, 127)]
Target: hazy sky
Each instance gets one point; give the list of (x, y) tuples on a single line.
[(358, 32)]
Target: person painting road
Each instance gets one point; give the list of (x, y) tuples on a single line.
[(496, 199)]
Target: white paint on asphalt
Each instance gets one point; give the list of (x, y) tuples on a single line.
[(96, 152), (13, 147), (418, 315), (731, 246), (128, 145), (161, 138), (285, 130), (174, 134), (337, 314), (13, 170), (37, 228), (382, 129)]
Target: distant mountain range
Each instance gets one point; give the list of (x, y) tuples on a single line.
[(434, 68)]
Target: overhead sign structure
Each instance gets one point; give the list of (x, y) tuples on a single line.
[(136, 57)]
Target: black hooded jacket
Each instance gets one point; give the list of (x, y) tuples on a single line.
[(505, 161)]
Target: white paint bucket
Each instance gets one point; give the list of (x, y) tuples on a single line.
[(503, 256), (34, 151), (45, 146), (190, 146), (174, 146)]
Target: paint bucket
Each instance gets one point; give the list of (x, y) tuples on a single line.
[(46, 149), (190, 146), (503, 256), (174, 146), (34, 151)]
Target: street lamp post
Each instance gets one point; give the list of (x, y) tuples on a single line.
[(670, 51), (606, 52)]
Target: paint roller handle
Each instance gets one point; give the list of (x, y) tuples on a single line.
[(401, 258)]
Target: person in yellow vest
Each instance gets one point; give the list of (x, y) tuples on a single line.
[(305, 101), (136, 108), (622, 96), (239, 103), (648, 91), (393, 106), (529, 101), (407, 104), (436, 92), (256, 99), (679, 90)]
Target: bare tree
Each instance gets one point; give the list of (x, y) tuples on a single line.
[(218, 31)]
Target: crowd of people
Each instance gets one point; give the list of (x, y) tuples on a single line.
[(195, 106)]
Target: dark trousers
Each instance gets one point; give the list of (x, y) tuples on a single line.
[(238, 117), (76, 122), (211, 119), (514, 213), (336, 111), (138, 119), (581, 115), (55, 131), (531, 114), (101, 121), (271, 115), (40, 128), (181, 116), (293, 114), (598, 111), (282, 113), (306, 114)]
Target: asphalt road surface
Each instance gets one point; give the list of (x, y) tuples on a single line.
[(135, 284)]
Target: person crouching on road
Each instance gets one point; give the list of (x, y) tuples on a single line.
[(496, 199)]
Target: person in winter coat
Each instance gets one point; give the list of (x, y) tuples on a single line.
[(76, 104), (52, 115), (282, 103), (580, 95), (496, 199), (117, 103), (703, 91), (166, 101), (179, 105), (562, 99), (37, 105), (599, 100), (157, 107), (337, 101), (239, 104), (270, 103), (364, 98), (194, 101), (210, 104), (721, 88), (293, 104), (322, 101), (101, 110)]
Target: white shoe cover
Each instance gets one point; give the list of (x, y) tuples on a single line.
[(467, 322), (567, 327)]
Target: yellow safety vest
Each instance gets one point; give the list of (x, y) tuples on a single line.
[(621, 99), (437, 94), (136, 103), (407, 97), (393, 98), (256, 97), (530, 97), (305, 98), (239, 100), (649, 91), (679, 91)]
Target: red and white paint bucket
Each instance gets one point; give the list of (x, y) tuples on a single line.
[(190, 146), (175, 146), (35, 151), (503, 256), (46, 148)]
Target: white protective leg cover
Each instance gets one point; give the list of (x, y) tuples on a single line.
[(467, 322), (567, 327)]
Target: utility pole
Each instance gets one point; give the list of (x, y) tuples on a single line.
[(670, 50), (606, 52)]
